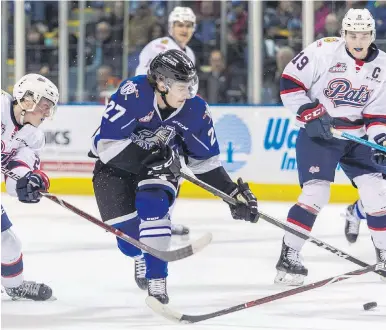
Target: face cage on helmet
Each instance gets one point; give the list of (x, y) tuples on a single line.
[(191, 86), (30, 96), (343, 33)]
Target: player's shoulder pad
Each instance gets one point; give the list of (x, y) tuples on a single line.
[(198, 106), (6, 95), (132, 88), (160, 44), (329, 44), (6, 101), (31, 137), (381, 56)]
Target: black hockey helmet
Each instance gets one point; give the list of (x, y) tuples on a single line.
[(173, 66)]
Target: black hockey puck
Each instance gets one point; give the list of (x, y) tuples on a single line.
[(369, 305)]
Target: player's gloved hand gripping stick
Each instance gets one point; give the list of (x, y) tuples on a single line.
[(164, 161)]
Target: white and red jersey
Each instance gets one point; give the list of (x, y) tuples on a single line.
[(20, 145), (156, 46), (353, 91)]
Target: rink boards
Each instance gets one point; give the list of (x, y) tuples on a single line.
[(256, 143)]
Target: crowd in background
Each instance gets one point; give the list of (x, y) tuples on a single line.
[(223, 77)]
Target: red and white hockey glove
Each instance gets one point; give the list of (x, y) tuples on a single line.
[(316, 119)]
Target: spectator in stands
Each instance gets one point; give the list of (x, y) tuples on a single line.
[(295, 35), (283, 57), (111, 48), (156, 31), (284, 12), (37, 56), (331, 27), (214, 84), (106, 84), (239, 26), (322, 9), (116, 20), (378, 10), (238, 20), (206, 26), (271, 31), (139, 27)]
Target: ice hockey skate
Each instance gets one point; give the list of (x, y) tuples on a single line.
[(290, 270), (140, 272), (381, 257), (30, 290), (351, 229), (157, 289)]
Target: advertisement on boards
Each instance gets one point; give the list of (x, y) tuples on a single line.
[(68, 139), (258, 144)]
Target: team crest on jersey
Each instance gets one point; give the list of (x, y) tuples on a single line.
[(165, 41), (341, 93), (146, 139), (129, 88), (338, 67), (147, 118), (6, 156)]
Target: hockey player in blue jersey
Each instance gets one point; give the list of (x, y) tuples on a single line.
[(151, 121)]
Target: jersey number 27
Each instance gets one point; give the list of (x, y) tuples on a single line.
[(120, 111)]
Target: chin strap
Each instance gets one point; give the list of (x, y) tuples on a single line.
[(22, 117), (163, 97)]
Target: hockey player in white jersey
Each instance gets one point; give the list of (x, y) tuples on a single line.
[(34, 99), (340, 83), (182, 23)]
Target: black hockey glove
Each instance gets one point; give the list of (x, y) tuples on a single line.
[(316, 119), (163, 161), (246, 208), (377, 156), (29, 186)]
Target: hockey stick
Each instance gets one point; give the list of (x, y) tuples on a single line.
[(175, 316), (359, 140), (172, 255), (280, 224)]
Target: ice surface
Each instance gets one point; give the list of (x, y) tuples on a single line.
[(94, 283)]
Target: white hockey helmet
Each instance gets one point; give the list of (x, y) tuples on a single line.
[(37, 88), (358, 20), (181, 14)]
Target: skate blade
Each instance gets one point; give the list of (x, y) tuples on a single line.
[(287, 279), (52, 298)]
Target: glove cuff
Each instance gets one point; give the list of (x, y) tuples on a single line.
[(44, 178)]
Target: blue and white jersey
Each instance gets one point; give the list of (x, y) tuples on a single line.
[(133, 116)]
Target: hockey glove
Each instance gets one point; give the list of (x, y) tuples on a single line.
[(246, 207), (316, 119), (163, 161), (29, 186), (377, 156)]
